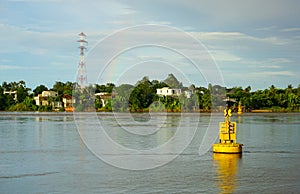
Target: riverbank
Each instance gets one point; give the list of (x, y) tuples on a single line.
[(262, 113)]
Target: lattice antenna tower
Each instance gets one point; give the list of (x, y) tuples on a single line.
[(81, 74)]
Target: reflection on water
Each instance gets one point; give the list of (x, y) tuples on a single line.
[(226, 168), (54, 119), (239, 119)]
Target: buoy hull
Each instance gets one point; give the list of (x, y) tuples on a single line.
[(229, 148)]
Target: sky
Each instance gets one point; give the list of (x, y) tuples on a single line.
[(236, 43)]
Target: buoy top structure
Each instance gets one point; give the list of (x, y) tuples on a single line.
[(227, 134)]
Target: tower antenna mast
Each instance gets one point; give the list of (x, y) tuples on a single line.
[(81, 74)]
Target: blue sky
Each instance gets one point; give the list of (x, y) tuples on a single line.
[(254, 43)]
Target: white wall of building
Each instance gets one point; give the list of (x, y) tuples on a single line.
[(49, 93), (168, 91)]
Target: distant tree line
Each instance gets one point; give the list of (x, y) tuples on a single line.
[(16, 96), (142, 97)]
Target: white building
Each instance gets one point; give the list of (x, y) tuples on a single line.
[(166, 91), (188, 93), (56, 105), (104, 97), (49, 93), (10, 93), (68, 102), (43, 98)]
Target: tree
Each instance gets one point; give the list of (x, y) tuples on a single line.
[(68, 88), (2, 99), (142, 95), (122, 93), (206, 101), (39, 89), (105, 88), (98, 103), (204, 98), (293, 101), (58, 87), (26, 105), (100, 88), (22, 91), (110, 87), (124, 90)]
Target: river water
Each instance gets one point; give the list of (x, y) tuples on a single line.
[(44, 153)]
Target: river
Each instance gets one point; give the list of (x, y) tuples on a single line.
[(46, 153)]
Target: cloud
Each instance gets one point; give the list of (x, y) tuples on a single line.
[(150, 42), (220, 55), (17, 67), (19, 39), (267, 28), (120, 22), (167, 23), (270, 66), (280, 60), (10, 67), (238, 36), (271, 63), (243, 37), (274, 73), (290, 30), (34, 0), (234, 14)]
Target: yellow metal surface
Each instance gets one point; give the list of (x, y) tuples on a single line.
[(229, 148), (227, 132), (227, 136), (227, 113), (240, 108)]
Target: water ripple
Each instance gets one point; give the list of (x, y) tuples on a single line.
[(27, 175)]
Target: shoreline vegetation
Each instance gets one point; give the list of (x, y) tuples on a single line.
[(137, 114), (144, 97)]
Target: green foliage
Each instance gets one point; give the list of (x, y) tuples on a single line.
[(188, 104), (14, 101), (275, 99), (105, 88), (120, 102), (63, 88), (157, 106), (142, 97), (26, 105), (3, 99), (19, 107), (22, 91), (124, 90), (108, 106), (39, 89), (98, 103), (79, 108), (84, 99), (204, 98)]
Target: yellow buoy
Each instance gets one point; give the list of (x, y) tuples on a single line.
[(240, 108), (227, 136)]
